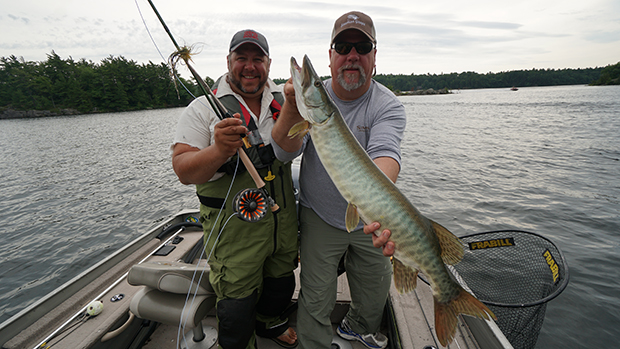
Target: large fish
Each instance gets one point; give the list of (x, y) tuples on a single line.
[(421, 244)]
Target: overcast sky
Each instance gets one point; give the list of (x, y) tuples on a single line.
[(413, 36)]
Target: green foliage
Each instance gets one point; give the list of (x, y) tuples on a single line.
[(118, 84), (115, 84), (471, 80), (609, 76)]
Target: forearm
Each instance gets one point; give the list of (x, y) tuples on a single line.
[(194, 166), (389, 166)]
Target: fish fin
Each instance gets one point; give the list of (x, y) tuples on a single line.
[(352, 218), (451, 246), (299, 129), (405, 277), (446, 314)]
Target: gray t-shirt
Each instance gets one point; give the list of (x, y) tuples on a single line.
[(377, 120)]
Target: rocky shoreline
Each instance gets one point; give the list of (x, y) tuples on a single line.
[(429, 91), (26, 114)]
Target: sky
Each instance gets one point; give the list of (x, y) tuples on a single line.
[(413, 37)]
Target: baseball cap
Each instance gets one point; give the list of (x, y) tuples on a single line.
[(249, 36), (355, 20)]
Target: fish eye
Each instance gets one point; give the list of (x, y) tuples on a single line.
[(317, 83)]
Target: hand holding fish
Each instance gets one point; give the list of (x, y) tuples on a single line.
[(382, 240), (289, 93), (289, 116)]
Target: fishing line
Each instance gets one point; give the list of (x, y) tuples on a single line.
[(182, 322), (64, 332), (177, 77), (221, 111), (198, 283)]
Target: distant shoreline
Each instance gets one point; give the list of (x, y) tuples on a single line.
[(29, 114), (430, 91)]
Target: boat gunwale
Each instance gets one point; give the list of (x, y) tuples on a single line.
[(29, 315)]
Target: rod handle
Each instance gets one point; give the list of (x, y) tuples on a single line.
[(251, 169)]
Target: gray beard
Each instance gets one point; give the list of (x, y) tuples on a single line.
[(351, 86)]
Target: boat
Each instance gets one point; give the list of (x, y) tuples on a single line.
[(514, 89), (164, 258)]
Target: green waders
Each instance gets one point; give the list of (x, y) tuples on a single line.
[(252, 263)]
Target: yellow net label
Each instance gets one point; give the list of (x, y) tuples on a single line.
[(480, 245)]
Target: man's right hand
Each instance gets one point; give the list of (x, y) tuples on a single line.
[(227, 135), (289, 116), (289, 93)]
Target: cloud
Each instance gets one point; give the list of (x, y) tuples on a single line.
[(603, 37), (21, 19), (490, 25)]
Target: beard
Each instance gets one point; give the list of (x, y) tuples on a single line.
[(237, 83), (350, 86)]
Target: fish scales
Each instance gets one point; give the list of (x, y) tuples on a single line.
[(350, 170)]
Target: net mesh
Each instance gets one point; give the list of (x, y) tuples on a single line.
[(515, 273)]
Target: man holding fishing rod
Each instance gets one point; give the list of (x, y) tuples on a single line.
[(377, 119), (252, 260)]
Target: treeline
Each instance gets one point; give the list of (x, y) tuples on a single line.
[(473, 80), (609, 76), (118, 84), (115, 84)]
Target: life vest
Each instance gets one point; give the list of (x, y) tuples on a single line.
[(261, 155)]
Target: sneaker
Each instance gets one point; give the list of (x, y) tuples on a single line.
[(372, 341)]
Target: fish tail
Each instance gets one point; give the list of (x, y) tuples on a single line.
[(446, 314)]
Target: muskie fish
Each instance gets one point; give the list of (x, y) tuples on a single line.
[(421, 244)]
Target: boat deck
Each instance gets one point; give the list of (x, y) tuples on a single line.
[(412, 313)]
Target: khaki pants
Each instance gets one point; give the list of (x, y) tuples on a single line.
[(368, 273)]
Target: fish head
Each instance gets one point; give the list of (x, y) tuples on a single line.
[(313, 101)]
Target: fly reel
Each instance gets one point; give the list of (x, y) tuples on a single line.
[(250, 205)]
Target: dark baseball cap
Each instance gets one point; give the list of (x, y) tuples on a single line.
[(249, 36), (355, 20)]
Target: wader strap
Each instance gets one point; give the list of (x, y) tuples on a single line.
[(211, 202), (230, 166), (275, 107)]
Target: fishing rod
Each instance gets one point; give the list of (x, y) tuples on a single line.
[(250, 203)]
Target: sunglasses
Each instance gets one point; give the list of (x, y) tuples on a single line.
[(343, 48)]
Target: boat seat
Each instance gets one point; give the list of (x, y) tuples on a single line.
[(163, 299)]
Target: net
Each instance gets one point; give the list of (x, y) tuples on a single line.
[(515, 273)]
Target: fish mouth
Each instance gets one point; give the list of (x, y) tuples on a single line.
[(302, 74), (296, 72), (308, 72)]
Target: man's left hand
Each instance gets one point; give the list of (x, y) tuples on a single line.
[(382, 240)]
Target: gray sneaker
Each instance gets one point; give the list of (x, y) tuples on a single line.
[(372, 341)]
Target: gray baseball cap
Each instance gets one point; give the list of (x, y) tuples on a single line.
[(249, 36)]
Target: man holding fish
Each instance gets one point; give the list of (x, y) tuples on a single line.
[(377, 119)]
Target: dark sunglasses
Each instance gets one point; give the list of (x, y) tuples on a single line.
[(343, 48)]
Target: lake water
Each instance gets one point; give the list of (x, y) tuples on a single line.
[(546, 160)]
